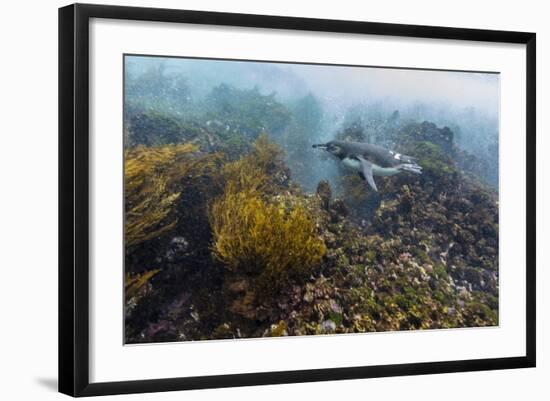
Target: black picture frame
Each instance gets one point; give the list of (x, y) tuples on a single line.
[(74, 198)]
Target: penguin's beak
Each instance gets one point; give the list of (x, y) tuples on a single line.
[(320, 145)]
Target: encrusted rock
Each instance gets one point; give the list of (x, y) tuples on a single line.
[(325, 193), (328, 327)]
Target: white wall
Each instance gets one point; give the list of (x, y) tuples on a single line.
[(28, 199)]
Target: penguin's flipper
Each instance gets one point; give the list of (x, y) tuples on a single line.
[(367, 172)]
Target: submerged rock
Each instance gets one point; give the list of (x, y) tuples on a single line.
[(325, 193), (328, 327)]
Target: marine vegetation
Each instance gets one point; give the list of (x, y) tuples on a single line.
[(257, 172), (270, 239), (246, 111), (150, 193), (236, 228), (253, 236), (152, 187)]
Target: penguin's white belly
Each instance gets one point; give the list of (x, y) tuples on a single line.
[(384, 171), (355, 164), (352, 164)]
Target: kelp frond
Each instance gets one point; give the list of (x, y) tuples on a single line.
[(152, 177), (252, 235), (253, 171), (134, 283)]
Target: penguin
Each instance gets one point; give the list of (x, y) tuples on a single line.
[(370, 160)]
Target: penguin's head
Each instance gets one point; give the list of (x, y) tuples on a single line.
[(333, 147)]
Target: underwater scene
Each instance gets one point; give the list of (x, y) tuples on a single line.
[(268, 199)]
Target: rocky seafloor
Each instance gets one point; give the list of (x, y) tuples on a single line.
[(421, 253)]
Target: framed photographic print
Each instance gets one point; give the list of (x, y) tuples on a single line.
[(249, 199)]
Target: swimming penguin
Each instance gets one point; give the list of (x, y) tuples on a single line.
[(370, 160)]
